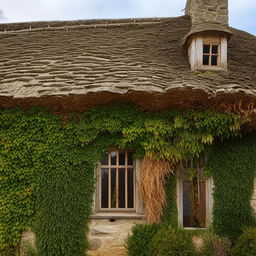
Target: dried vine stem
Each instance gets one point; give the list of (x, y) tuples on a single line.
[(241, 108), (152, 192)]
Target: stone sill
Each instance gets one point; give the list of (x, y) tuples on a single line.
[(118, 215), (193, 228)]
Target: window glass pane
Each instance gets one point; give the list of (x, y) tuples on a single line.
[(202, 203), (186, 206), (130, 159), (215, 49), (214, 61), (206, 59), (113, 188), (104, 188), (206, 48), (113, 158), (130, 188), (104, 161), (122, 158), (121, 187), (194, 203)]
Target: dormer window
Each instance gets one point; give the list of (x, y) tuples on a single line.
[(208, 52)]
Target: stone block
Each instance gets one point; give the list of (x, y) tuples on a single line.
[(108, 238), (94, 244)]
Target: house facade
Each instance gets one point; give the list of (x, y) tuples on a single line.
[(194, 61)]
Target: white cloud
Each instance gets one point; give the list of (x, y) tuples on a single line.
[(2, 17)]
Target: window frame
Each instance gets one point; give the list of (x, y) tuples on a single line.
[(136, 212), (209, 186), (195, 52), (117, 166), (211, 54)]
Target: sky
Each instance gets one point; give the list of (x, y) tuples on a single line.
[(242, 12)]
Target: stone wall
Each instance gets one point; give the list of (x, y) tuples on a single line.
[(107, 237), (208, 11)]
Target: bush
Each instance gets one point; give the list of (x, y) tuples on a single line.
[(246, 243), (138, 243), (214, 245), (172, 242)]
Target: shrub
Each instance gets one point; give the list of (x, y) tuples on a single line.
[(138, 243), (246, 243), (172, 242), (214, 245)]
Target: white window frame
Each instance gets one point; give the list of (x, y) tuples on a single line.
[(195, 52)]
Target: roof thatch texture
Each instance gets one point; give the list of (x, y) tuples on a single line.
[(94, 62)]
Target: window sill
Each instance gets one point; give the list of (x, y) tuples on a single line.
[(117, 215), (211, 69), (193, 228)]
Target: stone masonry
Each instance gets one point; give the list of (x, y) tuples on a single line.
[(208, 11), (108, 238)]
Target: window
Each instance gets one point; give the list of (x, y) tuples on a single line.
[(194, 195), (194, 199), (211, 55), (208, 52), (117, 181)]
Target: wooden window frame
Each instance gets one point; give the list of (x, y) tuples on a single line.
[(209, 186), (195, 52), (117, 167)]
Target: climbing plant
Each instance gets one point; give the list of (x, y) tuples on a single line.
[(47, 164), (233, 167)]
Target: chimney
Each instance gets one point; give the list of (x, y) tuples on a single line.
[(208, 11)]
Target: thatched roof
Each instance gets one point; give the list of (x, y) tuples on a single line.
[(83, 63)]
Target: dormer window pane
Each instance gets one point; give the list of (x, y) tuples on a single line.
[(215, 49), (214, 61), (206, 48), (208, 52), (206, 60), (210, 55)]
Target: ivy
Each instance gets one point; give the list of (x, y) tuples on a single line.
[(233, 167), (47, 164), (170, 214)]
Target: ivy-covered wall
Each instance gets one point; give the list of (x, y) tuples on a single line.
[(47, 163), (233, 167)]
